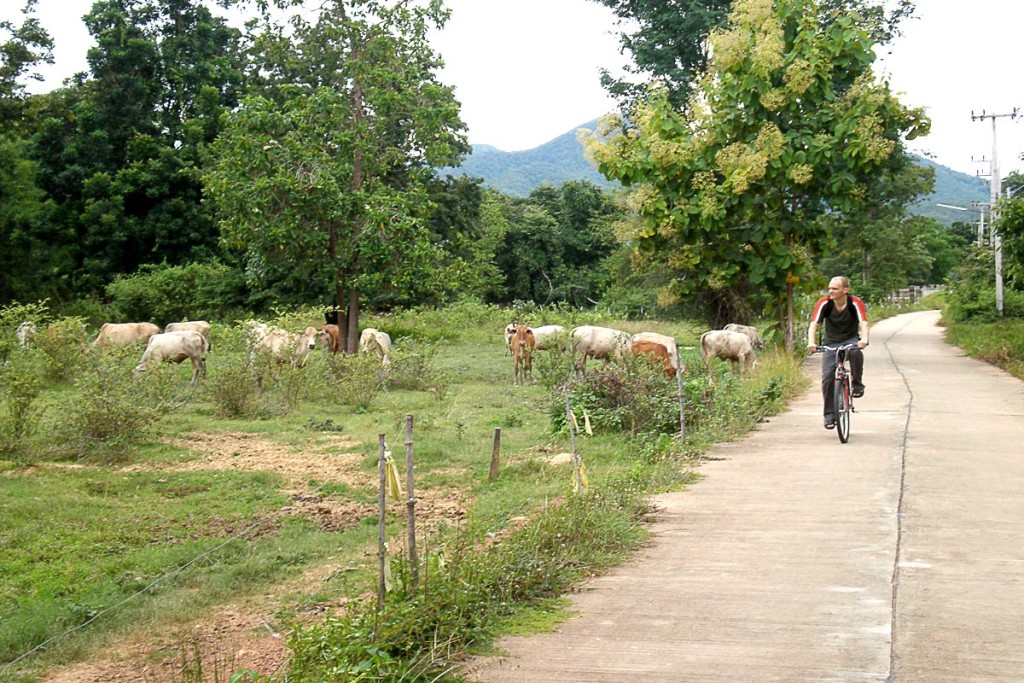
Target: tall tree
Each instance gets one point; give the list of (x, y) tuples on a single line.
[(324, 174), (667, 40), (25, 47), (788, 124)]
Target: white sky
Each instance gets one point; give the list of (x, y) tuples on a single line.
[(527, 71)]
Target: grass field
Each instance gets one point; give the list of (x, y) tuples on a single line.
[(162, 516)]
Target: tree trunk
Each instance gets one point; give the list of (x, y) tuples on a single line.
[(352, 342)]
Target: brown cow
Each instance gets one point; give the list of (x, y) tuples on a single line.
[(330, 337), (522, 345), (125, 334), (659, 345)]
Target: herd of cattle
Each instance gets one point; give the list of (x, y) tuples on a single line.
[(735, 344), (191, 340)]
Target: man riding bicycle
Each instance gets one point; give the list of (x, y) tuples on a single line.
[(846, 322)]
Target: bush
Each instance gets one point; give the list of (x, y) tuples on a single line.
[(233, 390), (21, 383), (163, 293), (63, 343), (354, 381), (414, 367), (113, 411)]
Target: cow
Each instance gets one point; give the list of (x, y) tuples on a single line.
[(549, 337), (200, 326), (727, 345), (330, 337), (26, 333), (590, 341), (278, 342), (523, 343), (660, 345), (124, 334), (510, 330), (176, 347), (751, 332), (376, 342)]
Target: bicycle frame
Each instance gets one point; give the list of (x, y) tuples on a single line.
[(842, 397)]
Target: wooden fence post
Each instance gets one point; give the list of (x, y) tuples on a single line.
[(381, 530), (682, 398), (495, 455), (572, 438), (410, 504)]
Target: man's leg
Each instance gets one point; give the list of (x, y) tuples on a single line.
[(828, 374), (856, 371)]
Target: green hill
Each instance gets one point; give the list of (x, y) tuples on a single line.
[(519, 173)]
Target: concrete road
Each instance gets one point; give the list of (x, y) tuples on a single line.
[(896, 557)]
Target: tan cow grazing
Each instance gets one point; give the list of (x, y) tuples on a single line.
[(201, 326), (549, 337), (590, 341), (376, 342), (751, 332), (278, 343), (124, 334), (330, 338), (176, 347), (661, 346), (727, 345), (523, 344)]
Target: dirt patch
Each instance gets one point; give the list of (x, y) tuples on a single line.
[(244, 637)]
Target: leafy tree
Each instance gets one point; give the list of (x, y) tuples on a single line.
[(322, 177), (668, 40), (788, 124), (25, 47), (555, 242)]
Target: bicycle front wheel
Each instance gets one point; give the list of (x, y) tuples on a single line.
[(842, 406)]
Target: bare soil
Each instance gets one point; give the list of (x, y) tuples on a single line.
[(244, 636)]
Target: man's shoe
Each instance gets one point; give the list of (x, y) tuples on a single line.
[(858, 390), (830, 422)]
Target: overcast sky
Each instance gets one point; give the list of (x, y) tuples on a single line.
[(527, 71)]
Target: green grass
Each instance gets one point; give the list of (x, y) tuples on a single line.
[(83, 532), (1000, 343)]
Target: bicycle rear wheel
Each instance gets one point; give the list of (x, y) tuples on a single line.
[(842, 406)]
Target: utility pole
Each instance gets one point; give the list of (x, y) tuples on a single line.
[(995, 189)]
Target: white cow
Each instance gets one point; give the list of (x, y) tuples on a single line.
[(26, 333), (376, 342), (751, 332), (549, 337), (510, 331), (278, 343), (176, 347), (659, 345), (727, 345), (590, 341)]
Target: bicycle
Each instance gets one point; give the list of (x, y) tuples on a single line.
[(842, 403)]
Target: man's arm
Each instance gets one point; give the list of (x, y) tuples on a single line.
[(862, 332), (812, 336)]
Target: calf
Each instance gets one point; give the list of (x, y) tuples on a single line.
[(26, 333), (660, 345), (727, 345), (176, 347), (523, 343), (589, 341)]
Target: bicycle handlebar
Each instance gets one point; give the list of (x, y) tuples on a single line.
[(843, 347)]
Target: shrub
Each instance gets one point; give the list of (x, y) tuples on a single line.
[(163, 293), (113, 411), (354, 381), (21, 383), (63, 344), (233, 389), (414, 367)]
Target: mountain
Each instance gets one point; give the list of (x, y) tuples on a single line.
[(519, 173)]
